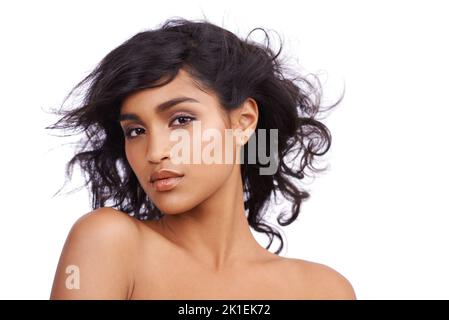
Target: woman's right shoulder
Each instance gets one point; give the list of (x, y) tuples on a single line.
[(103, 246), (105, 218), (104, 223), (108, 225)]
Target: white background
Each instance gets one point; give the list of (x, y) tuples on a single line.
[(379, 215)]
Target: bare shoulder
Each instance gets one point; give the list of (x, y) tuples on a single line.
[(97, 258), (105, 228), (106, 222), (322, 282)]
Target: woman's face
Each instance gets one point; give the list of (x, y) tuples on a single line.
[(149, 148)]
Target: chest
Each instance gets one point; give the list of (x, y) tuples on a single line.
[(184, 279)]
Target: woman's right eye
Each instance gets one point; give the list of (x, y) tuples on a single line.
[(130, 131)]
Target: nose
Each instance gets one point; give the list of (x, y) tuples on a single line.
[(158, 147)]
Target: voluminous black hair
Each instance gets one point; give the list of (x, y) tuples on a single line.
[(217, 60)]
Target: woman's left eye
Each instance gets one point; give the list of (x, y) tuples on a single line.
[(182, 120)]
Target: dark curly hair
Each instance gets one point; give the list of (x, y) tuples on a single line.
[(218, 60)]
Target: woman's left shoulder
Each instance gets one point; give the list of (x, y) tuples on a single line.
[(322, 281)]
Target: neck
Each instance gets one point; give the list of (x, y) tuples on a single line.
[(216, 232)]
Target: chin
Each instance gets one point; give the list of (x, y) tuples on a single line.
[(172, 206)]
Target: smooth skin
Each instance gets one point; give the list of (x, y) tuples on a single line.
[(203, 247)]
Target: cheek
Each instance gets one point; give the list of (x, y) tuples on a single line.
[(208, 177), (217, 144), (201, 181), (134, 159), (130, 156)]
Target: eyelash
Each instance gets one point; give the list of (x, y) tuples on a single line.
[(129, 130)]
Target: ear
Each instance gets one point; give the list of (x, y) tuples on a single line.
[(244, 120)]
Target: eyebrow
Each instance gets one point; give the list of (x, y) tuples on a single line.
[(159, 109)]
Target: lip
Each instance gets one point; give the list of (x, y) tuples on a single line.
[(167, 183), (164, 173), (165, 179)]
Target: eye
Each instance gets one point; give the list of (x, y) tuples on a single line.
[(129, 131), (182, 119)]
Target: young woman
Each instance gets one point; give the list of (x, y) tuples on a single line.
[(181, 229)]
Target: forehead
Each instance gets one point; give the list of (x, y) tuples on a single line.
[(181, 85)]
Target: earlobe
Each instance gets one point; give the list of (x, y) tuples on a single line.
[(244, 121), (242, 136), (242, 139)]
